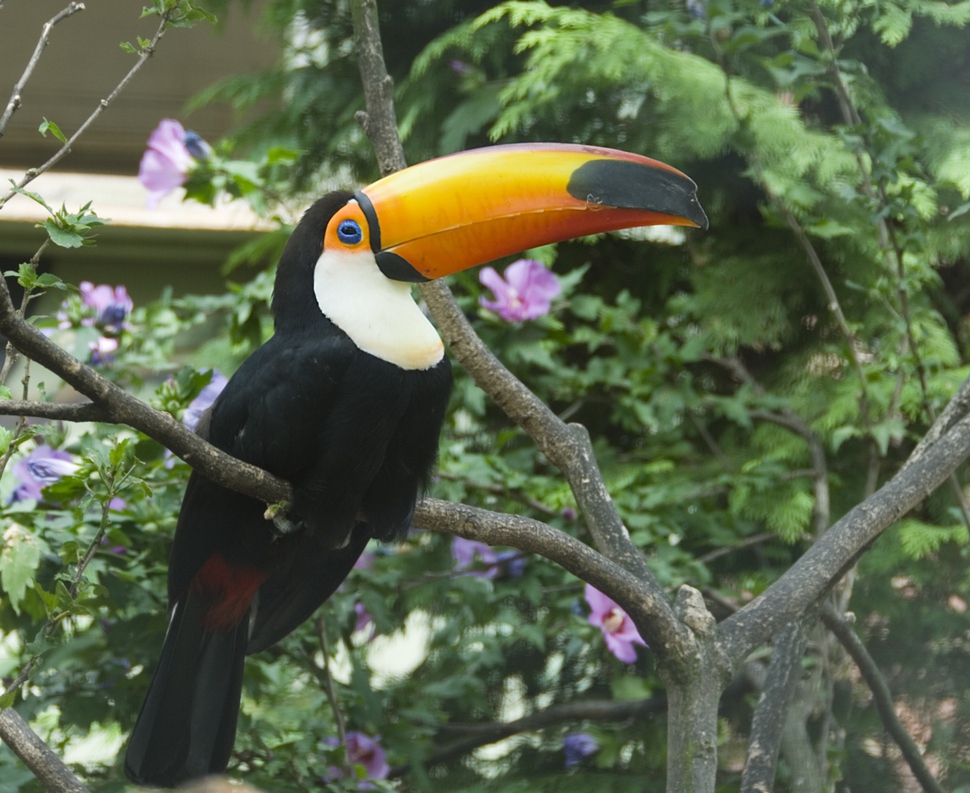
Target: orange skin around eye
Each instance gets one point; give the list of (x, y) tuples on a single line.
[(352, 211)]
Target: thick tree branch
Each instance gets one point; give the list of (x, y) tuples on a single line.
[(881, 695), (45, 35), (589, 710), (37, 755), (827, 560), (769, 717), (567, 446), (651, 613)]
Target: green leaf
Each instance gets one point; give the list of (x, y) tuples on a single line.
[(18, 561), (65, 238), (128, 47), (49, 126)]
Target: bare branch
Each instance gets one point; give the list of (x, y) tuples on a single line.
[(588, 710), (62, 152), (651, 613), (881, 695), (84, 411), (828, 559), (568, 447), (37, 755), (769, 716), (15, 98)]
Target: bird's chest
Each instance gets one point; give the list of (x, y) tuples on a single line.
[(379, 315)]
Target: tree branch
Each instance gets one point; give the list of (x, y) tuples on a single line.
[(83, 411), (588, 710), (842, 631), (15, 97), (37, 755), (62, 152), (827, 560), (568, 447), (769, 716), (652, 613)]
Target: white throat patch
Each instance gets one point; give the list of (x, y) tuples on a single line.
[(378, 314)]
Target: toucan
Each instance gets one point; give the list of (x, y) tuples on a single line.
[(346, 402)]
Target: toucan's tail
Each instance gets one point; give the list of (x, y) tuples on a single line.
[(187, 724)]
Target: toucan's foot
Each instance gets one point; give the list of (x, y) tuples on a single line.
[(283, 527)]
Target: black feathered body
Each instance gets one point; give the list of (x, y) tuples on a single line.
[(357, 438)]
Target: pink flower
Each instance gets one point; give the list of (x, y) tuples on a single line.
[(617, 627), (362, 750), (111, 305), (525, 293), (165, 164), (42, 467)]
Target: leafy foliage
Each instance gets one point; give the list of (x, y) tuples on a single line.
[(711, 371)]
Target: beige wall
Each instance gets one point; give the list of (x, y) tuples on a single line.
[(84, 62)]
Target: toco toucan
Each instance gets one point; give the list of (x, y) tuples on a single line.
[(346, 402)]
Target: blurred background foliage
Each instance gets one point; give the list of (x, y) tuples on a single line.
[(737, 407)]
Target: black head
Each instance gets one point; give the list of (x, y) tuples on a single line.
[(294, 304)]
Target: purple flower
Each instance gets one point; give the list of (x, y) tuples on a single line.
[(525, 293), (111, 305), (512, 561), (697, 9), (42, 467), (459, 67), (569, 513), (464, 552), (365, 561), (363, 616), (102, 351), (365, 751), (166, 162), (578, 745), (617, 627), (199, 405)]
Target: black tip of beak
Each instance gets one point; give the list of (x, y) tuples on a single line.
[(625, 184)]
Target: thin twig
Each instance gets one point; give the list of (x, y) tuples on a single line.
[(338, 715), (557, 715), (881, 696), (146, 53), (502, 490), (15, 98)]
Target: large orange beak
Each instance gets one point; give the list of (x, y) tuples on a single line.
[(455, 212)]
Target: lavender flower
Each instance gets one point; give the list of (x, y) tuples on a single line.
[(617, 627), (697, 9), (102, 351), (199, 405), (569, 513), (512, 561), (364, 751), (42, 467), (111, 306), (104, 307), (525, 293), (166, 162), (578, 745), (464, 552), (363, 616)]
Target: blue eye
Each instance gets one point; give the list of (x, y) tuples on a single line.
[(349, 232)]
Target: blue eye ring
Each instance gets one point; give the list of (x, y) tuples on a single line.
[(349, 233)]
